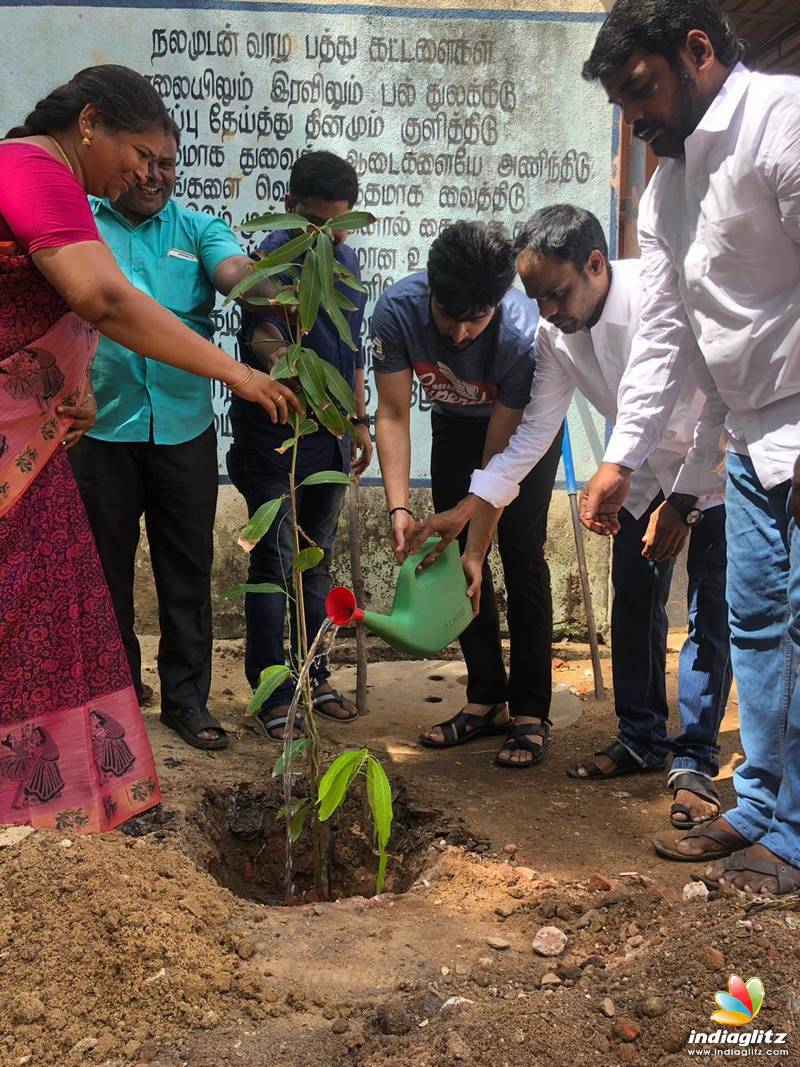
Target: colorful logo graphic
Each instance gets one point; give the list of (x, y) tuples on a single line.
[(741, 1003)]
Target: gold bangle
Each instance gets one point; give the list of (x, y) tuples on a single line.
[(244, 381)]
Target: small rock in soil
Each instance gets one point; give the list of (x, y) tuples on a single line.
[(635, 942), (457, 1047), (695, 891), (12, 835), (674, 1040), (627, 1054), (600, 882), (456, 1002), (614, 896), (549, 941), (498, 943), (654, 1007), (607, 1008), (394, 1019), (549, 907), (505, 911), (510, 849), (586, 919), (86, 1044), (593, 961), (713, 958), (246, 949), (549, 981), (626, 1028), (340, 1026), (526, 873), (569, 972)]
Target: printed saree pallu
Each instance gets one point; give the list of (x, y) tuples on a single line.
[(74, 754)]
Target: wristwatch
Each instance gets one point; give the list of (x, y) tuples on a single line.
[(360, 420), (690, 513)]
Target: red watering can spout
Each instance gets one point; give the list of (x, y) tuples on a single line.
[(341, 607)]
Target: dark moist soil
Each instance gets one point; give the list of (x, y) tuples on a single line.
[(247, 837)]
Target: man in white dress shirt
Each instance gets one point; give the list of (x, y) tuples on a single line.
[(589, 316), (720, 240)]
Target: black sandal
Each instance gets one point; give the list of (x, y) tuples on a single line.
[(517, 739), (455, 730), (188, 723), (623, 761), (333, 697), (701, 787)]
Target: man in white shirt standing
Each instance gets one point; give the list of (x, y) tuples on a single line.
[(589, 316), (720, 240)]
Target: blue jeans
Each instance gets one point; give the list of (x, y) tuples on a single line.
[(318, 506), (639, 646), (764, 601)]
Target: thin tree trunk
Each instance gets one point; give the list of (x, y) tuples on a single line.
[(358, 589)]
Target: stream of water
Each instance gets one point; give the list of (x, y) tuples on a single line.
[(320, 646)]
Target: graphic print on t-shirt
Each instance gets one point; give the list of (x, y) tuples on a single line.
[(443, 385)]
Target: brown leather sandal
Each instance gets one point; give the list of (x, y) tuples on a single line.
[(788, 878), (666, 842)]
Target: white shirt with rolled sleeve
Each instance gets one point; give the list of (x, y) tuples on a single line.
[(720, 238), (594, 362)]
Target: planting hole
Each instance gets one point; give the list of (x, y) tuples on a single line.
[(433, 700), (435, 677), (244, 846)]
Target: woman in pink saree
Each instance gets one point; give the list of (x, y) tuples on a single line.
[(75, 754)]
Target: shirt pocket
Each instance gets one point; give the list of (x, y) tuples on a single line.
[(177, 284)]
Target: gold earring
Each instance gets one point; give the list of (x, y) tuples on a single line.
[(87, 140)]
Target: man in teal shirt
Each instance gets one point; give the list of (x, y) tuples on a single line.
[(153, 448)]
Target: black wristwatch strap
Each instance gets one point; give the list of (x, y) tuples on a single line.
[(411, 513), (361, 420), (682, 508)]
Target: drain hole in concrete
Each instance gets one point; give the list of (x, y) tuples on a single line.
[(244, 846), (433, 700), (435, 677)]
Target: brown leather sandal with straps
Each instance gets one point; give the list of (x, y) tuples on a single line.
[(666, 843)]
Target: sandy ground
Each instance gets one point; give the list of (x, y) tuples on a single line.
[(125, 951)]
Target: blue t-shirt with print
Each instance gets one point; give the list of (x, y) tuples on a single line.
[(498, 365)]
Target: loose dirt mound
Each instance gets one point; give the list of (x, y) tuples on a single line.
[(105, 944)]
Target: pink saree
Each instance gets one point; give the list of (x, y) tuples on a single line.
[(74, 753)]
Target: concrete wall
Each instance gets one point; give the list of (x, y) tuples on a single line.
[(380, 569), (217, 67)]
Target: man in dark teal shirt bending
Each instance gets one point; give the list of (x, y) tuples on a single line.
[(153, 448)]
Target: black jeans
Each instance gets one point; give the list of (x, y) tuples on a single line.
[(457, 450), (257, 476), (175, 488)]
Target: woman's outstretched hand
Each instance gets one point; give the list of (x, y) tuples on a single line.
[(273, 397)]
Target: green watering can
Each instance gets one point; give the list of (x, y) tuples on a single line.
[(430, 608)]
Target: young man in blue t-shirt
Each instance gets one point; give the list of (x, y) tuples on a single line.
[(469, 338), (321, 186)]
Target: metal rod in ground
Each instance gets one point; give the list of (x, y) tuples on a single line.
[(357, 575), (572, 489)]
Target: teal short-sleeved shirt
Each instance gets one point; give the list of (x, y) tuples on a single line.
[(171, 257)]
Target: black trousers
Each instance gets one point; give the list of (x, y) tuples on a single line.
[(456, 451), (175, 488)]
